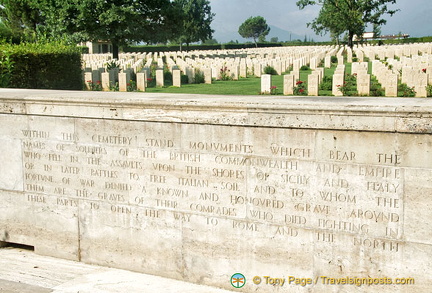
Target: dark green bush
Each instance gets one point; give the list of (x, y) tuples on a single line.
[(42, 66), (184, 79), (375, 88), (199, 76), (405, 91), (168, 77), (327, 83), (270, 70)]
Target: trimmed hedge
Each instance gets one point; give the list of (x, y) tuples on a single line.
[(41, 66), (171, 48), (403, 41)]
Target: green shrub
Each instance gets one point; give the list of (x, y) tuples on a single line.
[(111, 65), (300, 88), (199, 76), (333, 59), (405, 91), (304, 67), (225, 74), (6, 68), (270, 70), (41, 66), (349, 87), (429, 90), (167, 77), (375, 88), (153, 68), (131, 86), (151, 82), (327, 83), (184, 79)]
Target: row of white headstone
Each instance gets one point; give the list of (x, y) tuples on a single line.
[(418, 80), (409, 63)]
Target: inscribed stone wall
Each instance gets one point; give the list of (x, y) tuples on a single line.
[(196, 188)]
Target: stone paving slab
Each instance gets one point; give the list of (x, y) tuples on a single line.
[(23, 271)]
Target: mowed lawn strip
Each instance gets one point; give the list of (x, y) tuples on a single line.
[(243, 86)]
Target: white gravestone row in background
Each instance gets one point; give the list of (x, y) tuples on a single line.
[(411, 60)]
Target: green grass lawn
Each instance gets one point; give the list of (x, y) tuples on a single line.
[(243, 86)]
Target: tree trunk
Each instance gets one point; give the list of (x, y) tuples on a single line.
[(350, 39), (115, 50)]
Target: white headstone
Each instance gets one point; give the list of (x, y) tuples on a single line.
[(207, 75), (391, 85), (88, 79), (105, 81), (266, 83), (123, 80), (327, 62), (288, 85), (243, 70), (190, 72), (141, 81), (235, 72), (176, 75), (338, 81), (363, 84), (257, 69), (420, 85), (313, 84), (160, 77)]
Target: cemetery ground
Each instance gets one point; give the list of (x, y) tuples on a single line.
[(251, 86), (395, 70)]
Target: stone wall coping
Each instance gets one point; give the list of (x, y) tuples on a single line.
[(413, 115)]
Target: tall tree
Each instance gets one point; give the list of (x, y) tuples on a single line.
[(123, 21), (21, 17), (254, 27), (119, 21), (196, 20), (351, 16)]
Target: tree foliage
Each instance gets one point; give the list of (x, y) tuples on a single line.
[(124, 21), (119, 21), (254, 27), (20, 17), (351, 16), (196, 18)]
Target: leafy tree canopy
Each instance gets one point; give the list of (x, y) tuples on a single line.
[(195, 21), (20, 17), (351, 16), (119, 21), (255, 28), (123, 21)]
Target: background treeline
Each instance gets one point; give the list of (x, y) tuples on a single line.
[(233, 46)]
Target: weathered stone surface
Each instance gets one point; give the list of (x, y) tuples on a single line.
[(197, 187), (363, 84), (313, 84), (338, 81), (289, 82), (266, 83)]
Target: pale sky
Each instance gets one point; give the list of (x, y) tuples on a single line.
[(414, 17)]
